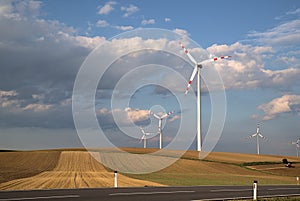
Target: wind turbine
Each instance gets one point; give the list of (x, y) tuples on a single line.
[(160, 118), (144, 137), (297, 143), (257, 135), (198, 66)]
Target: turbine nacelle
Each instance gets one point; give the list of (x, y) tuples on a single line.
[(257, 135), (160, 119)]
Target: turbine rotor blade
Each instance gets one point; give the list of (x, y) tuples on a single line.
[(191, 79), (142, 130), (156, 116), (253, 135), (142, 138), (214, 59), (167, 114), (261, 136), (188, 54)]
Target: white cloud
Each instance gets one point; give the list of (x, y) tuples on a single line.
[(146, 22), (247, 69), (9, 100), (129, 10), (168, 19), (181, 32), (5, 98), (89, 42), (5, 8), (294, 12), (283, 104), (107, 8), (38, 107), (284, 34), (38, 83), (7, 93), (174, 118), (124, 116), (102, 23), (124, 28)]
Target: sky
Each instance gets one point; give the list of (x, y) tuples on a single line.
[(45, 44)]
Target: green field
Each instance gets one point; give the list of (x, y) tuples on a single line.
[(224, 169)]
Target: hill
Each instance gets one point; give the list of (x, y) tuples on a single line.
[(221, 168), (72, 169), (76, 168)]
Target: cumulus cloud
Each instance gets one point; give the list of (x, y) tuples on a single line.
[(146, 22), (35, 88), (50, 53), (168, 19), (174, 118), (181, 32), (5, 98), (107, 8), (37, 107), (102, 23), (247, 68), (283, 104), (124, 117), (129, 10), (124, 28)]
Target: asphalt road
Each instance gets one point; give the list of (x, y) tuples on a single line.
[(151, 193)]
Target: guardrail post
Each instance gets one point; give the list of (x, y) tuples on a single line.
[(297, 178), (255, 190)]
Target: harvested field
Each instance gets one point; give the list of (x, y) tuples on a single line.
[(75, 169), (15, 165)]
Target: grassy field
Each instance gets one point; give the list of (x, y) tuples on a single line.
[(220, 168), (76, 168)]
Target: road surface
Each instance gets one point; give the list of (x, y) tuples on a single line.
[(151, 193)]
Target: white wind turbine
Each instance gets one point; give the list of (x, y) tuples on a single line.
[(144, 137), (297, 143), (257, 135), (197, 68), (160, 118)]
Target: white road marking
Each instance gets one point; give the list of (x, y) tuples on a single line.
[(230, 190), (151, 193), (249, 197), (234, 198), (274, 189), (42, 197)]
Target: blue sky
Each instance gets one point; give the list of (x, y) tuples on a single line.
[(44, 43)]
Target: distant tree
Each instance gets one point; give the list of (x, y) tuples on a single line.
[(285, 161)]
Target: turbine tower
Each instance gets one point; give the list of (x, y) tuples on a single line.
[(198, 66), (257, 135), (160, 118), (297, 143), (144, 137)]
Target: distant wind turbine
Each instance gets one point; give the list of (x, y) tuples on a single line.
[(144, 137), (257, 135), (297, 143), (160, 119)]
